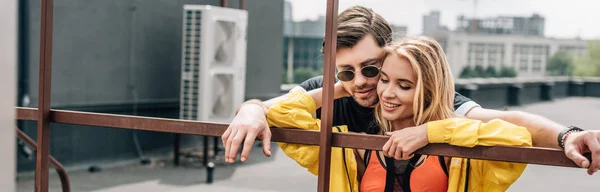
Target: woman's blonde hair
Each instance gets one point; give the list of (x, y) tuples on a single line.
[(434, 94)]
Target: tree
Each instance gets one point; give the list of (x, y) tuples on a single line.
[(560, 64), (589, 65), (479, 72), (284, 77), (302, 74), (491, 72), (466, 72), (507, 72)]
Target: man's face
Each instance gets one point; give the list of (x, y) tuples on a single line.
[(366, 52)]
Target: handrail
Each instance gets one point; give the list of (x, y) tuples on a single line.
[(62, 173), (529, 155)]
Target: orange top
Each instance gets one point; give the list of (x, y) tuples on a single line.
[(375, 174), (429, 176)]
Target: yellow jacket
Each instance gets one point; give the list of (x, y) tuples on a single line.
[(296, 112)]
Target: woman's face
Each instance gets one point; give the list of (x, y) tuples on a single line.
[(396, 88)]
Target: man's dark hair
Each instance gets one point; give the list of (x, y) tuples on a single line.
[(357, 22)]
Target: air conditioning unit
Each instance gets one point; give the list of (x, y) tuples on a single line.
[(213, 62)]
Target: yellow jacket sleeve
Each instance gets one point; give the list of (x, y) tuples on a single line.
[(469, 133), (296, 112), (484, 175)]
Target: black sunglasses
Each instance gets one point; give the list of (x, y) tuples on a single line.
[(368, 71)]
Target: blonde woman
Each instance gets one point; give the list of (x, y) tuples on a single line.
[(416, 93)]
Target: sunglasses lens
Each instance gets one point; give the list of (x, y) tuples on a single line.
[(370, 71), (345, 75)]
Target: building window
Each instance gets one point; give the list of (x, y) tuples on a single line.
[(479, 51), (495, 54), (536, 65), (476, 51), (540, 54), (523, 51)]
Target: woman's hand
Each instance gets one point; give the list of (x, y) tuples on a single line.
[(403, 143)]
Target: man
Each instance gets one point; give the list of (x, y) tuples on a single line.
[(361, 34)]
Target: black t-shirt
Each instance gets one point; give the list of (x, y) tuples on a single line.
[(346, 111)]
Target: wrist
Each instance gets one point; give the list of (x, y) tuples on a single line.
[(562, 137), (423, 127), (253, 102)]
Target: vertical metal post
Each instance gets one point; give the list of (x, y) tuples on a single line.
[(43, 128), (242, 4), (224, 3), (215, 146), (290, 60), (205, 151), (176, 149), (327, 108)]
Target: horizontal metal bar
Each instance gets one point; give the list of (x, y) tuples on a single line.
[(530, 155), (26, 113)]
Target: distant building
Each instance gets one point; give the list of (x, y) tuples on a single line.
[(399, 31), (527, 55), (526, 26), (431, 22), (302, 43), (516, 42)]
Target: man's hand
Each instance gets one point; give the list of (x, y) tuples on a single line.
[(246, 126), (403, 143), (578, 143)]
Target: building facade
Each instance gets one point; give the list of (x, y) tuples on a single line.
[(527, 55), (526, 26), (431, 22)]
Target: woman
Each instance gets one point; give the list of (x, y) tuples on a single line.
[(416, 91)]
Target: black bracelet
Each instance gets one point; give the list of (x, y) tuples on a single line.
[(562, 135)]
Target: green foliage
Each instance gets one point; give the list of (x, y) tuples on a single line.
[(302, 74), (560, 64), (479, 72), (466, 72), (589, 64), (491, 72), (507, 72), (284, 77)]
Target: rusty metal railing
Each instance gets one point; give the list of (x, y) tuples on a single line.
[(325, 139), (62, 173), (43, 115), (531, 155)]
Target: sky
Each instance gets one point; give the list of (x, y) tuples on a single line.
[(564, 18)]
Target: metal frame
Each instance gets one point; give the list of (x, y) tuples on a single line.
[(325, 139), (43, 116), (62, 173)]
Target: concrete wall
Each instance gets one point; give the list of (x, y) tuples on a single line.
[(560, 89), (8, 67), (265, 47), (106, 52), (591, 87), (499, 93)]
